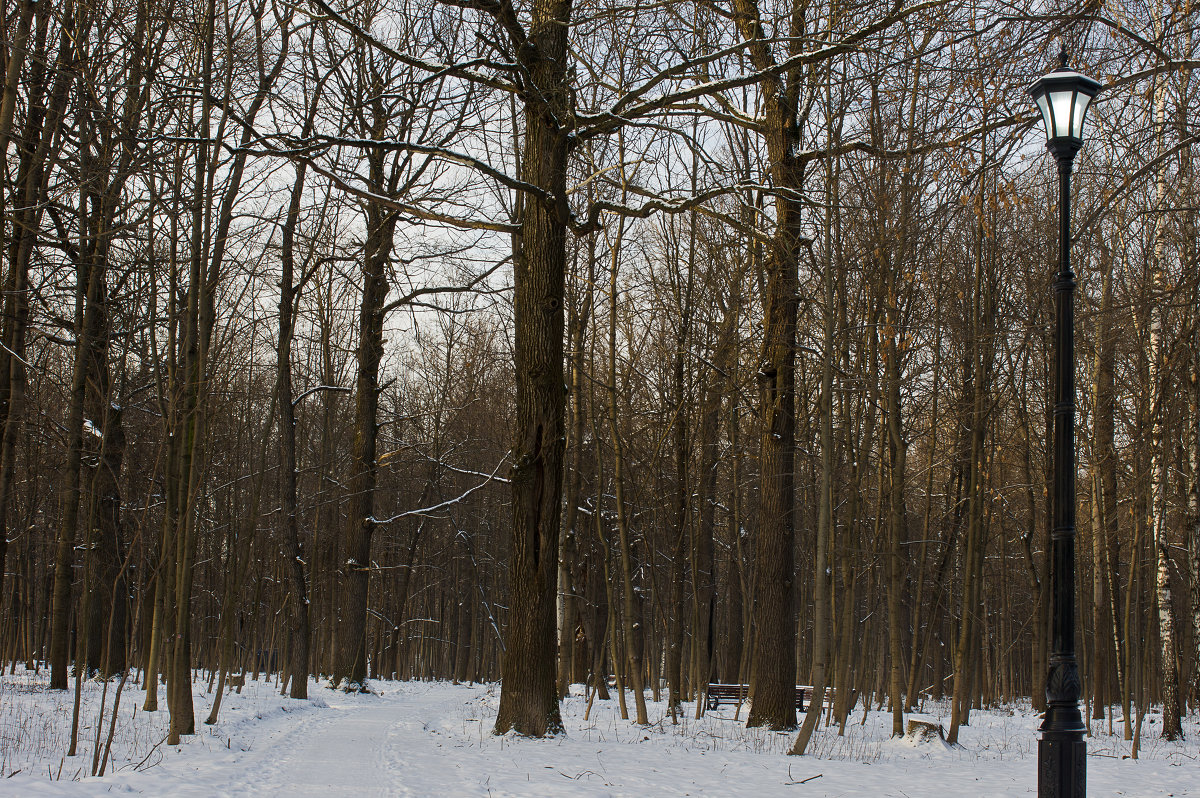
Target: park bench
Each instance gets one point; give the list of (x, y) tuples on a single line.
[(718, 694)]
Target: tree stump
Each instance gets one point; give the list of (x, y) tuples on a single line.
[(922, 730)]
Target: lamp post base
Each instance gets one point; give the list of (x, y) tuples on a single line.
[(1062, 766)]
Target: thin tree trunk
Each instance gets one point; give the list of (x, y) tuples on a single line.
[(33, 187), (1105, 539), (632, 615), (679, 520), (1169, 664), (1193, 515), (972, 561), (568, 577), (292, 544), (821, 570), (704, 533)]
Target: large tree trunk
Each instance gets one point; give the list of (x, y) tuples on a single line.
[(351, 665), (87, 322), (528, 699), (774, 663), (894, 340), (187, 428), (108, 160), (108, 597), (209, 242), (15, 305)]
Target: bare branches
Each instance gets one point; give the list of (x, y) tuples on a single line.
[(317, 389), (471, 285), (432, 509), (432, 69)]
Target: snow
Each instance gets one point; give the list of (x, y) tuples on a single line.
[(434, 739)]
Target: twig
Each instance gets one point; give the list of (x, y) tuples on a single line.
[(801, 781), (138, 766)]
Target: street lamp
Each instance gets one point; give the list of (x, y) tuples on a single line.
[(1063, 97)]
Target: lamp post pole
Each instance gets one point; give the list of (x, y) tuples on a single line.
[(1062, 755), (1063, 97)]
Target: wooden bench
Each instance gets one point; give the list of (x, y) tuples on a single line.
[(718, 693)]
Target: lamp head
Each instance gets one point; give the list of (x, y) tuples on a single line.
[(1063, 97)]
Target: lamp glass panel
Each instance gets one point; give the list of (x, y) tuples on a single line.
[(1060, 102), (1081, 106), (1047, 120)]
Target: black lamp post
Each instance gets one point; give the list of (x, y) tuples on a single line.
[(1063, 97)]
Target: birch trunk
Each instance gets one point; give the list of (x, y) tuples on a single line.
[(1168, 661), (1193, 517)]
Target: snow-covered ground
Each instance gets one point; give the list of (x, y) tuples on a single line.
[(434, 739)]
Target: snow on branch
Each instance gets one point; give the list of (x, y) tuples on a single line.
[(316, 389), (409, 60), (411, 297), (449, 502), (441, 153)]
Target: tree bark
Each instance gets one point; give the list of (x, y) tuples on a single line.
[(33, 175), (293, 545), (821, 570), (1157, 521), (351, 665), (634, 633), (528, 698), (774, 662), (15, 305), (979, 370), (568, 574)]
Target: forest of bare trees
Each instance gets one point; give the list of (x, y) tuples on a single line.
[(547, 342)]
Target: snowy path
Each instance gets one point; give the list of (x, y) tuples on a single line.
[(427, 740), (355, 746), (344, 751)]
